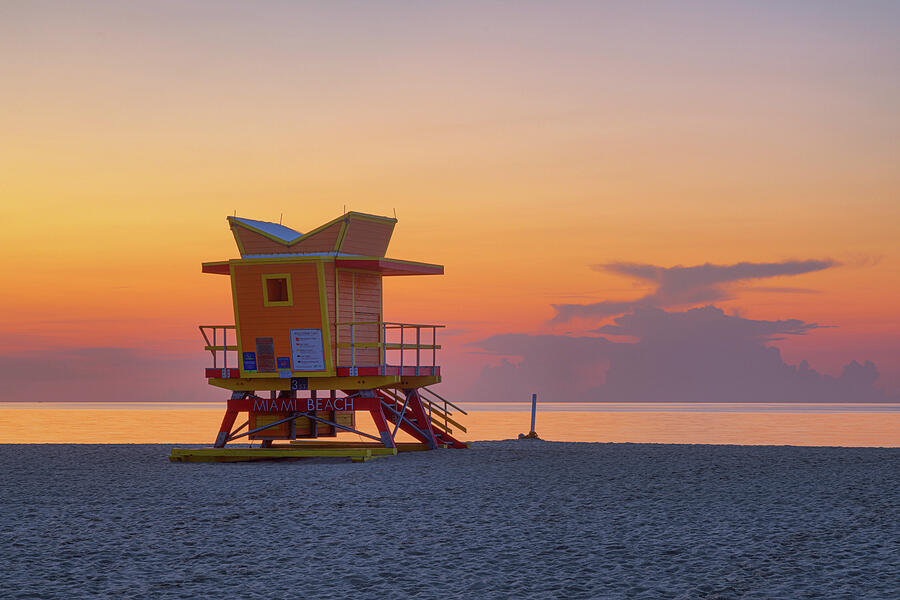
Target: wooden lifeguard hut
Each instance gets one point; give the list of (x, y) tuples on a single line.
[(309, 350)]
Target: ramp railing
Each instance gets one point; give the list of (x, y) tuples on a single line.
[(440, 411)]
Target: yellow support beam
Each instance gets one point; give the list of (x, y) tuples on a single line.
[(281, 453), (439, 425), (388, 346), (398, 346), (449, 420)]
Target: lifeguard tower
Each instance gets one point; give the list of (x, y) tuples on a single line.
[(309, 350)]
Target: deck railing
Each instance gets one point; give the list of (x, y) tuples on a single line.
[(392, 336), (416, 345), (216, 337)]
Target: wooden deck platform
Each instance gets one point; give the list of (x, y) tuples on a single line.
[(281, 452)]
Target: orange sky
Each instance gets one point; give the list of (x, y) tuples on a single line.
[(517, 149)]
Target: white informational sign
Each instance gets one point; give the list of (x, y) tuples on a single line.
[(307, 352)]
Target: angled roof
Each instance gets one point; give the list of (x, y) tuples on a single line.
[(354, 241), (351, 233)]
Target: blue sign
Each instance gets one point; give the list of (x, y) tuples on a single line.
[(284, 362), (249, 361)]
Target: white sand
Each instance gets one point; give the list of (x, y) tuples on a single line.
[(502, 520)]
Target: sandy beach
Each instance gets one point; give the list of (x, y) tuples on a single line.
[(501, 520)]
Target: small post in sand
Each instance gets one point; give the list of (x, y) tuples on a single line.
[(533, 410), (531, 434)]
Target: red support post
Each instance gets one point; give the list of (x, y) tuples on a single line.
[(421, 417), (382, 425), (225, 428)]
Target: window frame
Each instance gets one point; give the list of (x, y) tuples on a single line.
[(265, 286)]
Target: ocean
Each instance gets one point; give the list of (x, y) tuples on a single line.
[(807, 424)]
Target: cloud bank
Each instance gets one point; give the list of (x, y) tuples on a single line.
[(104, 375), (678, 285), (701, 354)]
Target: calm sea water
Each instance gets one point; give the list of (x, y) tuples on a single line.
[(683, 423)]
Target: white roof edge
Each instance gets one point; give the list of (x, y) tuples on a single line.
[(277, 230)]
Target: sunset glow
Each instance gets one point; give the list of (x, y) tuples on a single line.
[(741, 135)]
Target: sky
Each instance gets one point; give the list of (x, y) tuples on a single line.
[(631, 202)]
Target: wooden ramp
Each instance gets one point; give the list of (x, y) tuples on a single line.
[(285, 452)]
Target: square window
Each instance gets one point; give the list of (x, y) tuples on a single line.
[(277, 290)]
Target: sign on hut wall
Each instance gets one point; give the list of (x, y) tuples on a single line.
[(307, 351), (265, 355), (249, 361)]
